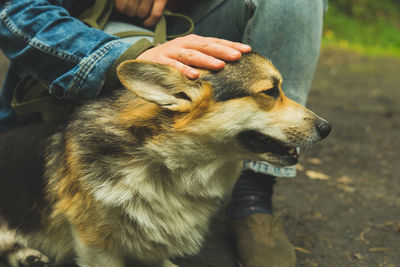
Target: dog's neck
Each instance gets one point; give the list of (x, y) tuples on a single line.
[(151, 179)]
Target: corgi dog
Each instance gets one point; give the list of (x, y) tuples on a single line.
[(134, 177)]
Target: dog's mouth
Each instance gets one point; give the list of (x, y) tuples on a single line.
[(269, 148)]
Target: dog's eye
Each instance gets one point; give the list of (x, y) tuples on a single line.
[(273, 92)]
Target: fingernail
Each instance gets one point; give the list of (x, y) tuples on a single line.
[(235, 54), (246, 47), (193, 73), (218, 64)]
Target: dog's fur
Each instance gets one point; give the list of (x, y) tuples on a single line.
[(137, 175)]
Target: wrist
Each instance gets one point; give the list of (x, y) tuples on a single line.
[(111, 80)]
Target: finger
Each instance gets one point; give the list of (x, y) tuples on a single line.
[(156, 13), (143, 10), (120, 5), (186, 70), (199, 59), (219, 48), (223, 49), (131, 8), (244, 48), (154, 55)]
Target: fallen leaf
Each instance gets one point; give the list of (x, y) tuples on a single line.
[(345, 180), (317, 175), (378, 249), (302, 250), (384, 224), (315, 161), (346, 188), (362, 235), (299, 167), (358, 256), (318, 215)]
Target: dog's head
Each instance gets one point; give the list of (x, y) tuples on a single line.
[(240, 110)]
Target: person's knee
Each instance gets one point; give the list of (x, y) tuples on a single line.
[(293, 10)]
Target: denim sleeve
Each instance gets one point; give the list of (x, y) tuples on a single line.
[(44, 40)]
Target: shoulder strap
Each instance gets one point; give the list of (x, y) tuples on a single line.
[(160, 32), (98, 15)]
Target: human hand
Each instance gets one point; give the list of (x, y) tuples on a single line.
[(150, 10), (193, 50)]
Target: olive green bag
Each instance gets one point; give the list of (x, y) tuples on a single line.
[(32, 97)]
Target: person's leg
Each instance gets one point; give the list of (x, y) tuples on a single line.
[(289, 33)]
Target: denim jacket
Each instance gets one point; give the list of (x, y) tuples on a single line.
[(42, 39)]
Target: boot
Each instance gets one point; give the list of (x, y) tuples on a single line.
[(261, 242)]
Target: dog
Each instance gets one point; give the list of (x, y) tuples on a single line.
[(134, 177)]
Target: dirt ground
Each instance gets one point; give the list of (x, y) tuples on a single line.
[(343, 209)]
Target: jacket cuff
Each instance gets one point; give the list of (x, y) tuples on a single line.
[(112, 81)]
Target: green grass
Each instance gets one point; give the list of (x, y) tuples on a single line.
[(376, 34)]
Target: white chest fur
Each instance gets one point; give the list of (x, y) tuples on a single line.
[(167, 212)]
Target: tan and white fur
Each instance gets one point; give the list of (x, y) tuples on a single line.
[(134, 178)]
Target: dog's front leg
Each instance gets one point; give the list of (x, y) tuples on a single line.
[(95, 256), (161, 263)]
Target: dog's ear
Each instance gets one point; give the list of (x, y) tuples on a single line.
[(155, 83)]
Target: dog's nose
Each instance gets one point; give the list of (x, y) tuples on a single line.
[(324, 128)]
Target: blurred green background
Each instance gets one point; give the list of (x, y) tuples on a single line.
[(367, 26)]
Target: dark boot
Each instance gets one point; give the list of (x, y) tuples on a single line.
[(260, 239), (262, 242)]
